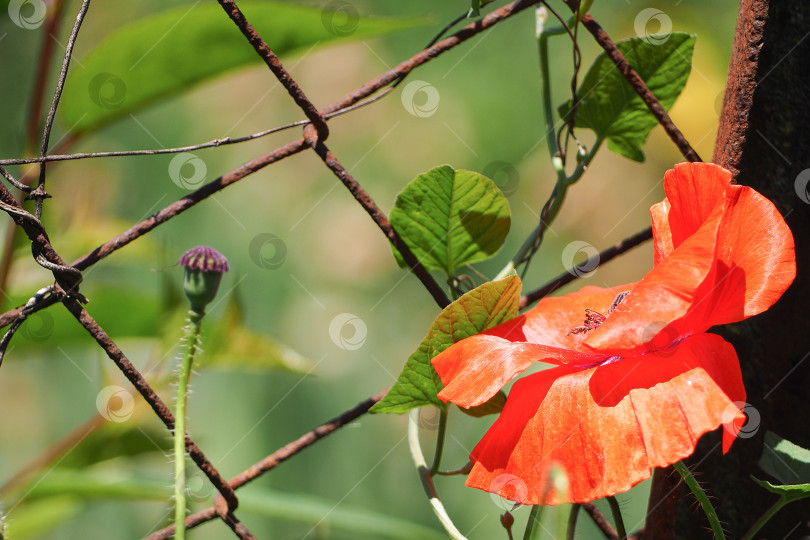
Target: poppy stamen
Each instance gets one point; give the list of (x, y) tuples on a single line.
[(593, 319)]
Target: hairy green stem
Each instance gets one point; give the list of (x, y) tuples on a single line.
[(617, 517), (437, 457), (702, 499), (192, 336)]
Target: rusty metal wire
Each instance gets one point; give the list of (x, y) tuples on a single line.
[(315, 133)]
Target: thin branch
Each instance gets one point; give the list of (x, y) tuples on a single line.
[(430, 53), (272, 61), (181, 205), (276, 458), (54, 17), (157, 151), (378, 216), (142, 386), (572, 274), (349, 100), (68, 278), (637, 83), (294, 147), (39, 193)]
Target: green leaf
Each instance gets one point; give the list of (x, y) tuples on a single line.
[(480, 309), (610, 107), (311, 510), (789, 493), (785, 461), (475, 8), (450, 218), (75, 485), (170, 52), (34, 519)]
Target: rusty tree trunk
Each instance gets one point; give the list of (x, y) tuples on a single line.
[(764, 138)]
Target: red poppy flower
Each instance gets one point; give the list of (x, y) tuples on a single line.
[(638, 380)]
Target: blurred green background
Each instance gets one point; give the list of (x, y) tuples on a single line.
[(326, 258)]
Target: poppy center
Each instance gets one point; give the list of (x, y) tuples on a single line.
[(593, 319)]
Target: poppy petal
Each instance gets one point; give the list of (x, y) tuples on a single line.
[(608, 426), (661, 299), (723, 253), (550, 322), (756, 259), (693, 191), (475, 369)]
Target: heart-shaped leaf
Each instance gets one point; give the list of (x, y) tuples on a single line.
[(610, 107), (481, 308), (451, 217)]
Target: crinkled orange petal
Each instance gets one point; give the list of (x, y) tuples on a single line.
[(549, 322), (475, 369), (723, 253), (608, 426), (693, 192), (661, 299), (756, 260)]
